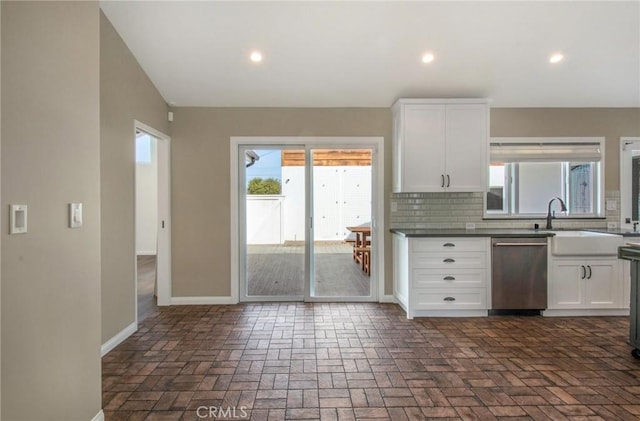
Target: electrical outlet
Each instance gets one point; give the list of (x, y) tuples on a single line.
[(612, 205), (394, 206), (612, 225), (470, 226)]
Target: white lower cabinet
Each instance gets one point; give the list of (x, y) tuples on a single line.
[(587, 286), (444, 276)]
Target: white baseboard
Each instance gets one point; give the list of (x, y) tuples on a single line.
[(146, 253), (387, 299), (585, 312), (449, 313), (118, 338), (99, 416), (181, 301)]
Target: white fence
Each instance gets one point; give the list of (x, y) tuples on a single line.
[(264, 219), (342, 198)]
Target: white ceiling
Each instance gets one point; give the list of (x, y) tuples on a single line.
[(368, 54)]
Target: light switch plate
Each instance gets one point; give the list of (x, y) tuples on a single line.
[(612, 205), (470, 226), (612, 225), (394, 206), (17, 219), (75, 215)]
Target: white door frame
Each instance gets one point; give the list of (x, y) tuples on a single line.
[(377, 208), (625, 176), (163, 252)]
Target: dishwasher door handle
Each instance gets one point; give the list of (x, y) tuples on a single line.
[(518, 244)]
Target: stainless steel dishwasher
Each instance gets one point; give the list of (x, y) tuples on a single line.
[(518, 274)]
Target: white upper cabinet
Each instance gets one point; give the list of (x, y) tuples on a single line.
[(440, 145)]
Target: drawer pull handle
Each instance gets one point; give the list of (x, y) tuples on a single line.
[(448, 245), (448, 260), (449, 278), (449, 299)]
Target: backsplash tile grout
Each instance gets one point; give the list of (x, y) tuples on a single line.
[(454, 210)]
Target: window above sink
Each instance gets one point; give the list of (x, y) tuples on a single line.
[(525, 173)]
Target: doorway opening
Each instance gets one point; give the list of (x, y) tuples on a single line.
[(152, 221), (307, 219), (146, 222), (629, 183)]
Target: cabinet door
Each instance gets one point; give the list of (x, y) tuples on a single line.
[(466, 147), (422, 148), (566, 286), (602, 284)]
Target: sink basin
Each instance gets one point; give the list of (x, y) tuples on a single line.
[(585, 243)]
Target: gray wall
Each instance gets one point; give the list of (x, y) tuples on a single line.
[(200, 179), (50, 157), (612, 123), (200, 168), (126, 94)]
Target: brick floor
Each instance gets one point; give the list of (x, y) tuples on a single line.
[(286, 361)]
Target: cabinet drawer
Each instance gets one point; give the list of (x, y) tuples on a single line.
[(453, 278), (449, 244), (449, 260), (450, 298)]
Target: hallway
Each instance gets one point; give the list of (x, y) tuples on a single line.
[(146, 286)]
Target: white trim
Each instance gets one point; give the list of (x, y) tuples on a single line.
[(554, 139), (449, 313), (99, 416), (378, 199), (163, 264), (146, 253), (585, 312), (118, 338), (624, 188), (183, 301), (384, 298)]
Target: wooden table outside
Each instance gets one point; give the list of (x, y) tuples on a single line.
[(362, 246)]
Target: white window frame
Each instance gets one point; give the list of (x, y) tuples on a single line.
[(509, 197)]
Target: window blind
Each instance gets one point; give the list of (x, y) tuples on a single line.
[(503, 152)]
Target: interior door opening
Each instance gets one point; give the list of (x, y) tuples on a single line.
[(630, 183), (146, 222), (152, 219)]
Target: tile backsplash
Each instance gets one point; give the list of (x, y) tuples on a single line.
[(454, 210)]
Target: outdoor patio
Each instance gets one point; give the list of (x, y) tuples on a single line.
[(278, 270)]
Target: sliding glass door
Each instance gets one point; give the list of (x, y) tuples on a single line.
[(306, 223), (273, 228), (341, 205)]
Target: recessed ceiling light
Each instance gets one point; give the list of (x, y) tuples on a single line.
[(428, 57), (256, 56), (556, 58)]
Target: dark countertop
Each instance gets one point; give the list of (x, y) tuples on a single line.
[(489, 232), (617, 231), (501, 232)]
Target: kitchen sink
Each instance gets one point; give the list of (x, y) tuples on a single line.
[(585, 243)]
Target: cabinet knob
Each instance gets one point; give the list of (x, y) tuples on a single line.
[(449, 299), (449, 278), (448, 260)]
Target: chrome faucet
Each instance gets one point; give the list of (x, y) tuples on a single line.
[(550, 216)]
